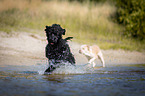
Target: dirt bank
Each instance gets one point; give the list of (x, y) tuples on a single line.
[(29, 49)]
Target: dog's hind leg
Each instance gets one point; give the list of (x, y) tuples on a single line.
[(100, 55)]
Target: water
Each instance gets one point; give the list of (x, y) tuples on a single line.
[(123, 80)]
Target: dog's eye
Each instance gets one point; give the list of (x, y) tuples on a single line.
[(54, 33)]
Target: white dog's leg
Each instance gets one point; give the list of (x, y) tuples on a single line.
[(92, 60), (94, 64), (100, 55)]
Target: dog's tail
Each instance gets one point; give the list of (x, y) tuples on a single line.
[(68, 38)]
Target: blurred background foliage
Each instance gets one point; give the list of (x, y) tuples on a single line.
[(112, 24), (131, 13)]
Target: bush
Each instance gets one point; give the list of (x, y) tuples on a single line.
[(131, 13)]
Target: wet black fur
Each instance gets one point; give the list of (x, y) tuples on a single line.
[(57, 49)]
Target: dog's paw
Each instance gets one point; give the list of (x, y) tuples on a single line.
[(47, 73), (50, 69), (103, 65), (89, 65)]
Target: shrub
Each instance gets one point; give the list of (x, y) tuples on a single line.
[(131, 13)]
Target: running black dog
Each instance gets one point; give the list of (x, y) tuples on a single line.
[(57, 49)]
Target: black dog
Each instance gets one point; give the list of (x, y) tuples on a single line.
[(57, 49)]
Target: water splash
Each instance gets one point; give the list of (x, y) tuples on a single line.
[(70, 69)]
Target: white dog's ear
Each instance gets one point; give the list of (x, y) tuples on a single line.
[(88, 48)]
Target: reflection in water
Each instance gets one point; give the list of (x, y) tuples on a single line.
[(110, 81), (55, 78)]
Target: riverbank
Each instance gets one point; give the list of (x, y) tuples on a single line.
[(29, 49), (90, 23)]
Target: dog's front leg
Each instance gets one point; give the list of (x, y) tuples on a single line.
[(92, 61), (94, 64), (51, 66)]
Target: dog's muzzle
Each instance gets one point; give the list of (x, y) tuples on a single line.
[(80, 51), (52, 39)]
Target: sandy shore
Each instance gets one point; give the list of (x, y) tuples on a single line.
[(29, 49)]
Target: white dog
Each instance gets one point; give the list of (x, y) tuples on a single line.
[(92, 53)]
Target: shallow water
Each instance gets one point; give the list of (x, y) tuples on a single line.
[(123, 80)]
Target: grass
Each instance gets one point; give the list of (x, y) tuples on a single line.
[(88, 23)]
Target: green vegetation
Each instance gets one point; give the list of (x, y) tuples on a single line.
[(131, 14), (87, 22)]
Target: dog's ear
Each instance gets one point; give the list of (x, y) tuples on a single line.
[(47, 28), (63, 31), (88, 48)]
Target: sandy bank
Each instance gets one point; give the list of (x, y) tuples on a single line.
[(29, 49)]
